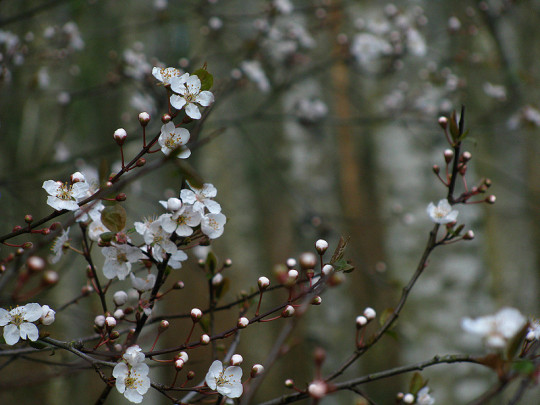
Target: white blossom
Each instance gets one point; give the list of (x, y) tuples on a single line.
[(58, 246), (182, 221), (227, 381), (498, 329), (172, 138), (143, 284), (164, 75), (95, 229), (188, 89), (63, 196), (132, 378), (47, 315), (134, 355), (442, 213), (212, 225), (201, 197), (255, 73), (159, 240), (18, 324), (423, 397), (118, 259)]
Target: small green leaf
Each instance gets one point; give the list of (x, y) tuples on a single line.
[(222, 288), (343, 265), (211, 264), (204, 322), (207, 80), (385, 315), (114, 217), (525, 367), (107, 236), (416, 383), (454, 129)]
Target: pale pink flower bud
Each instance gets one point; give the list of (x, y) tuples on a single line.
[(120, 136), (236, 360), (288, 311), (217, 279), (491, 199), (292, 276), (50, 277), (317, 300), (119, 314), (466, 156), (321, 245), (317, 389), (47, 315), (291, 262), (205, 339), (361, 321), (196, 314), (327, 269), (308, 260), (448, 155), (289, 383), (163, 326), (443, 122), (144, 118), (174, 204), (120, 298), (110, 322), (179, 364), (77, 177), (242, 322), (99, 321), (256, 370), (263, 283), (36, 263), (370, 313), (469, 235), (183, 356), (408, 398)]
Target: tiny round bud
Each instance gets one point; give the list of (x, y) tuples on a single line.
[(448, 155), (408, 398), (436, 169), (119, 314), (165, 118), (361, 321), (469, 235), (35, 264), (291, 263), (27, 245), (236, 360), (50, 277), (19, 251), (319, 355), (205, 339), (86, 290), (400, 396), (163, 326), (289, 383), (491, 199), (288, 311), (190, 375), (140, 162), (179, 364), (487, 182), (120, 136), (317, 389), (217, 279), (443, 122), (108, 184), (77, 177), (531, 335), (28, 218), (183, 356), (317, 300), (174, 204), (99, 321), (144, 118), (110, 322), (256, 370), (196, 314), (120, 298), (321, 245), (45, 231), (466, 156), (292, 275), (370, 313), (121, 197), (178, 285), (308, 260), (16, 228), (227, 263), (327, 269), (114, 335), (242, 322), (55, 225), (263, 283)]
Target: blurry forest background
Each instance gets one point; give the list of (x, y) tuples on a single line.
[(325, 124)]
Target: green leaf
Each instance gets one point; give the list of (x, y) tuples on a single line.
[(525, 367), (340, 250), (207, 80), (385, 315), (211, 264), (454, 129), (114, 217), (107, 236), (222, 289), (204, 323), (416, 383), (343, 265)]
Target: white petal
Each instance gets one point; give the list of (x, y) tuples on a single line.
[(133, 396), (120, 370), (29, 330), (32, 312), (212, 206), (178, 101), (193, 84), (11, 334), (193, 111), (5, 317), (51, 186), (205, 98)]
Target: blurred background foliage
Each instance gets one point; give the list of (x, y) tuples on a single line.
[(325, 124)]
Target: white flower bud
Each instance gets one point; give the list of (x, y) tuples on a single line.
[(99, 321), (110, 322), (217, 279), (36, 263), (47, 315), (183, 356), (120, 298), (205, 339), (256, 370), (317, 300), (196, 314), (179, 364), (77, 177), (242, 322), (119, 314), (321, 245), (288, 311), (289, 383), (443, 122), (144, 118), (327, 269), (236, 360), (291, 263), (174, 204), (491, 199), (408, 398), (292, 276), (263, 283), (120, 136), (370, 313), (361, 321), (317, 389)]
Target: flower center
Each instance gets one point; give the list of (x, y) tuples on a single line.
[(64, 192), (172, 141), (17, 319)]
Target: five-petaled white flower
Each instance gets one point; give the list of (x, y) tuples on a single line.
[(212, 225), (63, 196), (182, 221), (18, 324), (172, 138), (188, 89), (164, 75), (157, 238), (423, 397), (496, 329), (143, 284), (442, 213), (118, 259), (227, 381), (58, 246), (132, 377), (201, 197)]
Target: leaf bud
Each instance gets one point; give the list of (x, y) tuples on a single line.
[(17, 228)]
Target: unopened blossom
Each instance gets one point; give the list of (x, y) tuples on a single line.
[(172, 204), (134, 355), (423, 397), (58, 246), (226, 382), (63, 196), (498, 329), (118, 260), (442, 213), (164, 75), (132, 380), (18, 324), (47, 315), (159, 240), (143, 284), (172, 139), (120, 298), (212, 225), (201, 198), (188, 89), (182, 221)]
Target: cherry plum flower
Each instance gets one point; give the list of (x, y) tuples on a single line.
[(164, 75), (63, 196), (143, 284), (172, 138), (47, 315), (188, 89), (182, 221), (118, 259), (132, 375), (201, 197), (226, 382), (212, 225), (18, 324), (442, 213)]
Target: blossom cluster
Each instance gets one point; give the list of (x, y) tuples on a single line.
[(18, 322)]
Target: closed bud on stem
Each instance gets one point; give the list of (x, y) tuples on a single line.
[(19, 251), (183, 356), (319, 356), (256, 370), (469, 235), (27, 245), (288, 311), (179, 364), (242, 322), (327, 269), (86, 290), (178, 285), (205, 339), (217, 279), (487, 182), (190, 375), (292, 276), (77, 177), (289, 383), (448, 155), (140, 162), (120, 136), (144, 118), (291, 263), (99, 321), (17, 228), (121, 197), (436, 169), (321, 245), (163, 326), (491, 199), (370, 313), (28, 218), (120, 298), (308, 261), (466, 156), (110, 322), (236, 360), (35, 264), (361, 321), (443, 122), (317, 389), (317, 300), (50, 277), (263, 283), (166, 118), (114, 335), (196, 314), (408, 398)]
